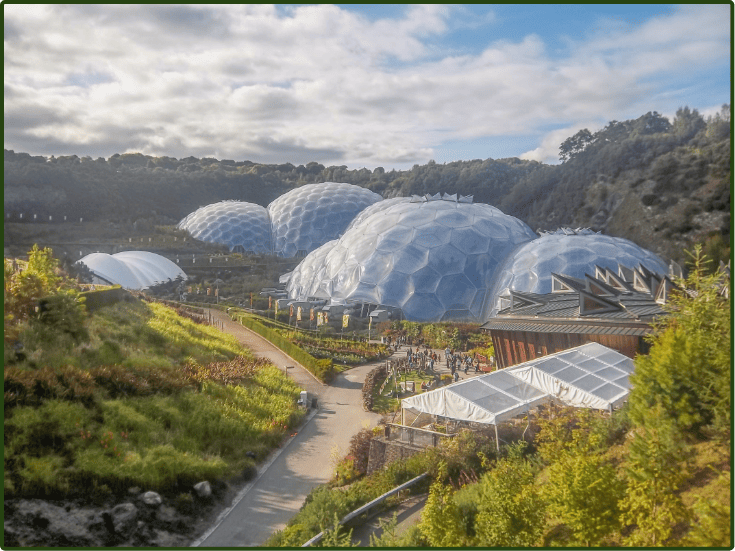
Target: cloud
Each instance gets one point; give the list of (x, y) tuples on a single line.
[(255, 82)]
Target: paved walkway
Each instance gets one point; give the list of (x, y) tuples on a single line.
[(304, 462)]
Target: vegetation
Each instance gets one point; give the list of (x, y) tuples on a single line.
[(322, 369), (129, 395), (654, 473), (458, 336), (672, 177)]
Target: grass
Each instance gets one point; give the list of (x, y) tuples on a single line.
[(152, 400)]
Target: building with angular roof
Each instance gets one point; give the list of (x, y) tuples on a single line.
[(615, 309)]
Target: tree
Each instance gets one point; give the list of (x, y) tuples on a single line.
[(440, 519), (687, 123), (583, 488), (510, 512), (23, 288), (718, 127), (656, 468), (711, 527), (574, 145), (687, 371), (335, 537)]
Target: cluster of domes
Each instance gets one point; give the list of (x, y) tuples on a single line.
[(434, 258), (294, 224), (132, 269)]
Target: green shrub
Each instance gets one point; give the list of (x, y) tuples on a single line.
[(42, 475), (322, 369)]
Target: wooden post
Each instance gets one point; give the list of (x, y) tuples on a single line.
[(497, 440)]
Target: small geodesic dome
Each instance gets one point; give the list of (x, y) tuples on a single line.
[(432, 257), (243, 227), (132, 269), (305, 218), (567, 252)]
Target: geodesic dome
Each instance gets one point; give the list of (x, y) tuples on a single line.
[(434, 259), (132, 269), (377, 207), (305, 278), (305, 218), (565, 252), (243, 227)]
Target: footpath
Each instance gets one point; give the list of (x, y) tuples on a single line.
[(304, 461)]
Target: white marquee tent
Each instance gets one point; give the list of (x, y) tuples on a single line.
[(591, 376)]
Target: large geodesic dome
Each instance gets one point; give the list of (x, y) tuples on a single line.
[(376, 207), (568, 252), (132, 269), (243, 227), (305, 218), (433, 258), (304, 280)]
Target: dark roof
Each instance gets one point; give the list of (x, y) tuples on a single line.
[(594, 305)]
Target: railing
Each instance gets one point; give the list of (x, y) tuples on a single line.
[(365, 508), (415, 436)]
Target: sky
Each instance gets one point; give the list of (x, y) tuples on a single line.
[(359, 85)]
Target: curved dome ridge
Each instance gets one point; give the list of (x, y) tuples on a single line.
[(132, 269)]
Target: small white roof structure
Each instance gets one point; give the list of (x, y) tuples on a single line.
[(132, 269), (491, 399), (591, 376)]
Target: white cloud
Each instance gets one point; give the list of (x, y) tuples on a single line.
[(250, 81)]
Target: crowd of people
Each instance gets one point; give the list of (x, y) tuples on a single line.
[(425, 359)]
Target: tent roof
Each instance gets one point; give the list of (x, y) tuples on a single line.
[(490, 398), (590, 375)]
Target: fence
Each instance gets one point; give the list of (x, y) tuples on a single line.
[(415, 436)]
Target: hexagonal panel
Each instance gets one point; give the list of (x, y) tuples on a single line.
[(454, 219), (328, 206), (231, 223), (447, 259), (395, 289), (430, 235), (423, 307), (455, 291), (427, 279)]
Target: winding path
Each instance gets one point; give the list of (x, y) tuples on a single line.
[(285, 479)]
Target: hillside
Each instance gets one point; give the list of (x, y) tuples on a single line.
[(105, 406), (663, 184)]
